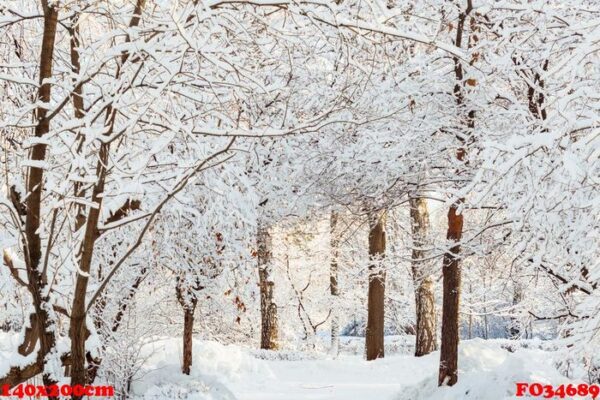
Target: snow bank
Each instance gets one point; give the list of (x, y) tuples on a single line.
[(487, 371), (215, 366)]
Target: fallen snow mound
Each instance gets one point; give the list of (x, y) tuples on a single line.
[(487, 371), (214, 367)]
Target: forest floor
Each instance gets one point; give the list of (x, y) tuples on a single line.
[(488, 371)]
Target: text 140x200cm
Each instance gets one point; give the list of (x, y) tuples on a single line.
[(21, 391)]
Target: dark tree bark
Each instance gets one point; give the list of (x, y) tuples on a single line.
[(450, 315), (41, 329), (448, 372), (268, 309), (375, 308), (78, 109), (424, 297), (188, 328), (187, 297), (36, 273), (78, 330), (333, 283)]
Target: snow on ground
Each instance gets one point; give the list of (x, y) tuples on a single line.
[(487, 372)]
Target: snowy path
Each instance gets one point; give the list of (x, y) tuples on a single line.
[(487, 372), (346, 378)]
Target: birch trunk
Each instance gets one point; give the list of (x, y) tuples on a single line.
[(423, 282), (268, 308), (333, 284)]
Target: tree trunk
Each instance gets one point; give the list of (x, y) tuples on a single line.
[(450, 312), (375, 321), (36, 273), (448, 373), (78, 110), (423, 281), (78, 330), (470, 313), (187, 297), (40, 321), (485, 312), (333, 284), (268, 308), (515, 330), (188, 328)]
